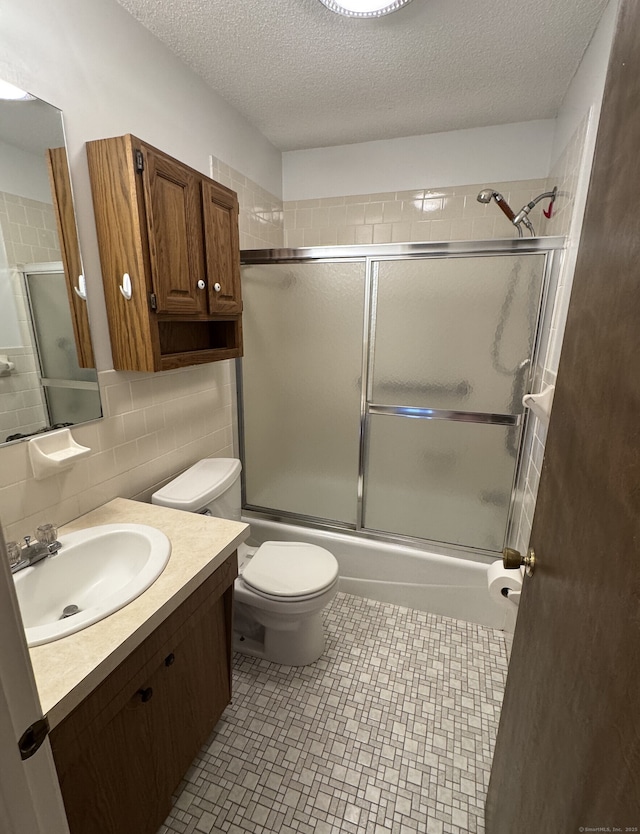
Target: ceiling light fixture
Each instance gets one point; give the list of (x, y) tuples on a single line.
[(364, 8), (9, 92)]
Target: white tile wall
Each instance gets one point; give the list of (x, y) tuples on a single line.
[(402, 216), (155, 425), (261, 214), (29, 230), (569, 174)]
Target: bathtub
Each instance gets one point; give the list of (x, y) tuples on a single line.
[(441, 583)]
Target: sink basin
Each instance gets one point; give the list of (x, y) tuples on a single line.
[(98, 571)]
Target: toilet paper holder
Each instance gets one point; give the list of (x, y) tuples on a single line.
[(513, 560)]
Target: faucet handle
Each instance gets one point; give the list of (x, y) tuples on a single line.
[(47, 533), (14, 553), (27, 541)]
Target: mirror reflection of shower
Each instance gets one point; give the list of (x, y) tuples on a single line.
[(522, 217), (55, 390)]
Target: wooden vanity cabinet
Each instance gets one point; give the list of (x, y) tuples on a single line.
[(174, 232), (124, 750)]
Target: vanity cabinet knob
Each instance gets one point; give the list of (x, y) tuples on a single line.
[(170, 659), (217, 287), (145, 694), (201, 284)]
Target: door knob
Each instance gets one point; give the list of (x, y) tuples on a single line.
[(513, 559)]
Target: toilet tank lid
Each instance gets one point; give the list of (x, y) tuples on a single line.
[(199, 485)]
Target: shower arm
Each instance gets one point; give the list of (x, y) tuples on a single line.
[(522, 215)]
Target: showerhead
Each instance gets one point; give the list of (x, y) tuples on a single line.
[(485, 197)]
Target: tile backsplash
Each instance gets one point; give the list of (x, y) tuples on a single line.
[(155, 425)]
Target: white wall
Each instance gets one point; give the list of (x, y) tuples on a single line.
[(110, 76), (485, 154), (587, 85), (24, 174)]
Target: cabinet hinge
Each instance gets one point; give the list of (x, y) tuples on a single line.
[(139, 161), (32, 738), (153, 301)]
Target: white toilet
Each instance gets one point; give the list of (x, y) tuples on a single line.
[(282, 587)]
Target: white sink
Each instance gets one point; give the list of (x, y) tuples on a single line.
[(99, 570)]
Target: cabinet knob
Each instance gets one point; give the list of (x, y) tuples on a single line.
[(201, 284), (170, 659), (217, 287), (145, 694)]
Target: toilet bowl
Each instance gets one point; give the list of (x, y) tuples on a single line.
[(282, 587)]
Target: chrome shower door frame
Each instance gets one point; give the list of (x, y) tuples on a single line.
[(371, 256)]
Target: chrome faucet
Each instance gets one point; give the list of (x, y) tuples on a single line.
[(32, 552)]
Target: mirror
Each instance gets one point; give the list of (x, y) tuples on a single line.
[(47, 375)]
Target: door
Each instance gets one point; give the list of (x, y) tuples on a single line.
[(451, 346), (567, 755), (174, 226), (30, 798), (222, 248)]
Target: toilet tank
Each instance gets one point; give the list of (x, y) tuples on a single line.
[(212, 484)]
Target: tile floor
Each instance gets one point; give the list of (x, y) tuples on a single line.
[(392, 730)]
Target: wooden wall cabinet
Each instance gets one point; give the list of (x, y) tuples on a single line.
[(174, 232), (123, 751)]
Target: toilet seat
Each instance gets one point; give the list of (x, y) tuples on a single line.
[(290, 570)]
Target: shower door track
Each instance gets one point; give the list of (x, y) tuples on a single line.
[(371, 255)]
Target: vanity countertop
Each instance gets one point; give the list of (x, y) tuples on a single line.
[(67, 670)]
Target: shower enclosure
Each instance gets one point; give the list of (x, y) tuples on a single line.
[(381, 386)]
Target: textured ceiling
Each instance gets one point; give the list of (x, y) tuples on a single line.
[(308, 78)]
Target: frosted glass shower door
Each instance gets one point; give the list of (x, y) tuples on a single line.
[(71, 392), (452, 340), (302, 370)]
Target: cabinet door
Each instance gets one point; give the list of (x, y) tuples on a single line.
[(119, 783), (222, 249), (122, 753), (193, 688), (174, 226)]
